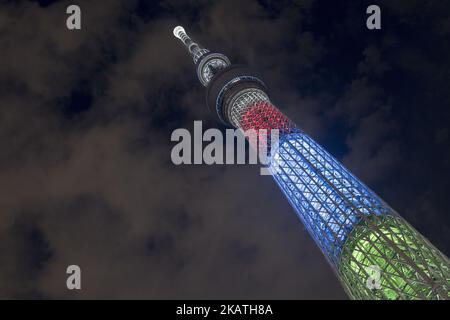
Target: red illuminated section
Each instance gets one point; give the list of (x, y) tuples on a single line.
[(264, 116)]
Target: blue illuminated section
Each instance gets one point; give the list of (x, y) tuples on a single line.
[(329, 200)]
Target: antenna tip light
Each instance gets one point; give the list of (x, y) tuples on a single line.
[(177, 30)]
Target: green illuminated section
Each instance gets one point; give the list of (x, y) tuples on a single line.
[(386, 258)]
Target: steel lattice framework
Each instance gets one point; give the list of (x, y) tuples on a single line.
[(356, 230), (375, 253)]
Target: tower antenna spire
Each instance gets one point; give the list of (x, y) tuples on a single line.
[(208, 63), (196, 50)]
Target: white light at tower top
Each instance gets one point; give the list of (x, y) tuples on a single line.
[(177, 31)]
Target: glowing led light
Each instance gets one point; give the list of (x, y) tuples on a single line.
[(371, 244), (178, 31), (327, 198)]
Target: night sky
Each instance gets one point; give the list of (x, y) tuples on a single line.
[(86, 118)]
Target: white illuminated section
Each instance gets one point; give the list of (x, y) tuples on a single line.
[(180, 33)]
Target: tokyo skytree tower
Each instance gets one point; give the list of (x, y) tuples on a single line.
[(374, 252)]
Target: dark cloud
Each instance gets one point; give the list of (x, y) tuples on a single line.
[(85, 124)]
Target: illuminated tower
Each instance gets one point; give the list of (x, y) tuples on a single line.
[(375, 253)]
